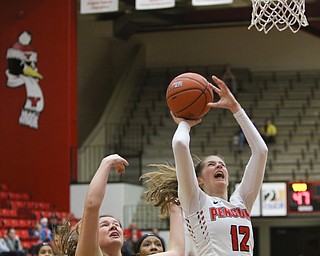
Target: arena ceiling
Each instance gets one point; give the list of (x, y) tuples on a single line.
[(128, 21)]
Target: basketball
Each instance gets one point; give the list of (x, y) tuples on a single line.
[(188, 95)]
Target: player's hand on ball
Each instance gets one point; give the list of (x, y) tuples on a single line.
[(191, 123), (227, 100)]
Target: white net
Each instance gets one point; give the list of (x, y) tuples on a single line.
[(280, 14)]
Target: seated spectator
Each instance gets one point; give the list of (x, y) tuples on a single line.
[(230, 79), (128, 248), (133, 226), (35, 232), (4, 249), (13, 243), (155, 231), (65, 219), (46, 234), (269, 132), (53, 222)]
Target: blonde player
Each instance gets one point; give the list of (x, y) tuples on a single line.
[(219, 226), (102, 235)]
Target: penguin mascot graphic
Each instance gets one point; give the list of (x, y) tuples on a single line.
[(22, 70)]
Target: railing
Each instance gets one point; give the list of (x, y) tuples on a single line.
[(115, 142), (145, 216)]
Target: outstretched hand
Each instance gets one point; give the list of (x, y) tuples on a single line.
[(227, 100), (117, 162), (191, 123)]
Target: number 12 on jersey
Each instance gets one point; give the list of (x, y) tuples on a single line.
[(239, 238)]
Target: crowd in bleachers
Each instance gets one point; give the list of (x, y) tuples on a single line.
[(25, 223), (26, 226)]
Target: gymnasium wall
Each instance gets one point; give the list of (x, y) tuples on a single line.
[(101, 56), (38, 132), (235, 45), (117, 196)]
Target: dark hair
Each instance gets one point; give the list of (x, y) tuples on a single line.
[(9, 229), (39, 246), (198, 168), (139, 242)]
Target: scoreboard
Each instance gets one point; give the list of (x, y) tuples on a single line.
[(287, 198), (303, 197)]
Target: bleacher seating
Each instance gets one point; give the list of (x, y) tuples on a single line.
[(289, 98), (19, 211)]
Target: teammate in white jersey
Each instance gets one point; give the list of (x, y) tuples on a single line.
[(219, 226)]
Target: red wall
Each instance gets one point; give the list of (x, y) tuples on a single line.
[(40, 161)]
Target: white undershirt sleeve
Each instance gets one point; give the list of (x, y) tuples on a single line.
[(255, 169), (188, 189)]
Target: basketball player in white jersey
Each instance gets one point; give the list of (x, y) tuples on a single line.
[(219, 226)]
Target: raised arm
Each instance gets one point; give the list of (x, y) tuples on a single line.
[(188, 189), (254, 172), (255, 169), (176, 236), (89, 227)]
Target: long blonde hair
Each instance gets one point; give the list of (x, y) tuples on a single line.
[(161, 187), (162, 184), (66, 238)]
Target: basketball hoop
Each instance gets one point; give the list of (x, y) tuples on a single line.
[(281, 14)]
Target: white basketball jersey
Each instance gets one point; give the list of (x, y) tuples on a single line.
[(221, 228)]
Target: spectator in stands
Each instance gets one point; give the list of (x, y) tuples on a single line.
[(230, 79), (65, 219), (45, 234), (4, 249), (130, 244), (43, 249), (155, 231), (269, 131), (13, 243), (53, 222), (242, 139), (132, 227), (35, 232)]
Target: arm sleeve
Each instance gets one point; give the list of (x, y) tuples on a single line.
[(188, 189), (254, 171)]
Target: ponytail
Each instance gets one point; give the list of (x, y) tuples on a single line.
[(161, 187)]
